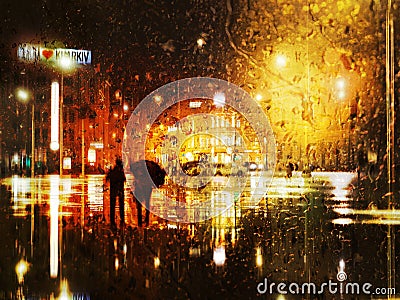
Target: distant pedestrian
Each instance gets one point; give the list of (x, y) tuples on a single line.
[(116, 177), (289, 169)]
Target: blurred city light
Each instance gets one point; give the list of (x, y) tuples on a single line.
[(219, 99), (341, 264), (54, 117), (156, 262), (259, 258), (21, 268), (281, 61), (116, 264), (54, 216), (22, 95), (65, 294), (66, 63), (157, 99), (341, 88), (219, 256), (201, 42)]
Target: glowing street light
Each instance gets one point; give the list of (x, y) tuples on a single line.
[(201, 42), (281, 61), (341, 88), (24, 96), (340, 83), (66, 64), (20, 269), (156, 262), (259, 258), (55, 123), (219, 256)]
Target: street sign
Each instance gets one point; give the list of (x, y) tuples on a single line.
[(83, 57), (28, 52), (36, 53)]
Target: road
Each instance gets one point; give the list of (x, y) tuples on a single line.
[(299, 232)]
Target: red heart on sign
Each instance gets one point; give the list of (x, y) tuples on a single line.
[(47, 53)]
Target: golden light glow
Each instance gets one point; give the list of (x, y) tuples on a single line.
[(65, 63), (54, 213), (118, 94), (341, 88), (340, 83), (22, 95), (54, 146), (91, 155), (65, 294), (157, 99), (341, 95), (219, 99), (219, 256), (116, 264), (259, 258), (67, 163), (156, 262), (342, 221), (54, 117), (342, 264), (281, 61), (21, 268), (201, 42)]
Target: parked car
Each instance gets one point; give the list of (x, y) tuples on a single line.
[(231, 169), (251, 166), (222, 169)]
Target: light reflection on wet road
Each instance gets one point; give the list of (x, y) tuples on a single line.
[(299, 234)]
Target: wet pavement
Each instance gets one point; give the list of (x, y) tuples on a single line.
[(56, 241)]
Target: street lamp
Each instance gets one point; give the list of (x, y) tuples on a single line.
[(65, 64), (55, 123), (342, 93), (24, 96)]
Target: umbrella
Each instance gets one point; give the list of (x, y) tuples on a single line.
[(143, 168)]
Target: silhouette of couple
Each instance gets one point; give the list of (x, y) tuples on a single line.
[(147, 175)]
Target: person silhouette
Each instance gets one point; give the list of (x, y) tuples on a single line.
[(116, 177), (142, 192), (148, 175)]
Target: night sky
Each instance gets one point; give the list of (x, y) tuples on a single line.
[(147, 43)]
